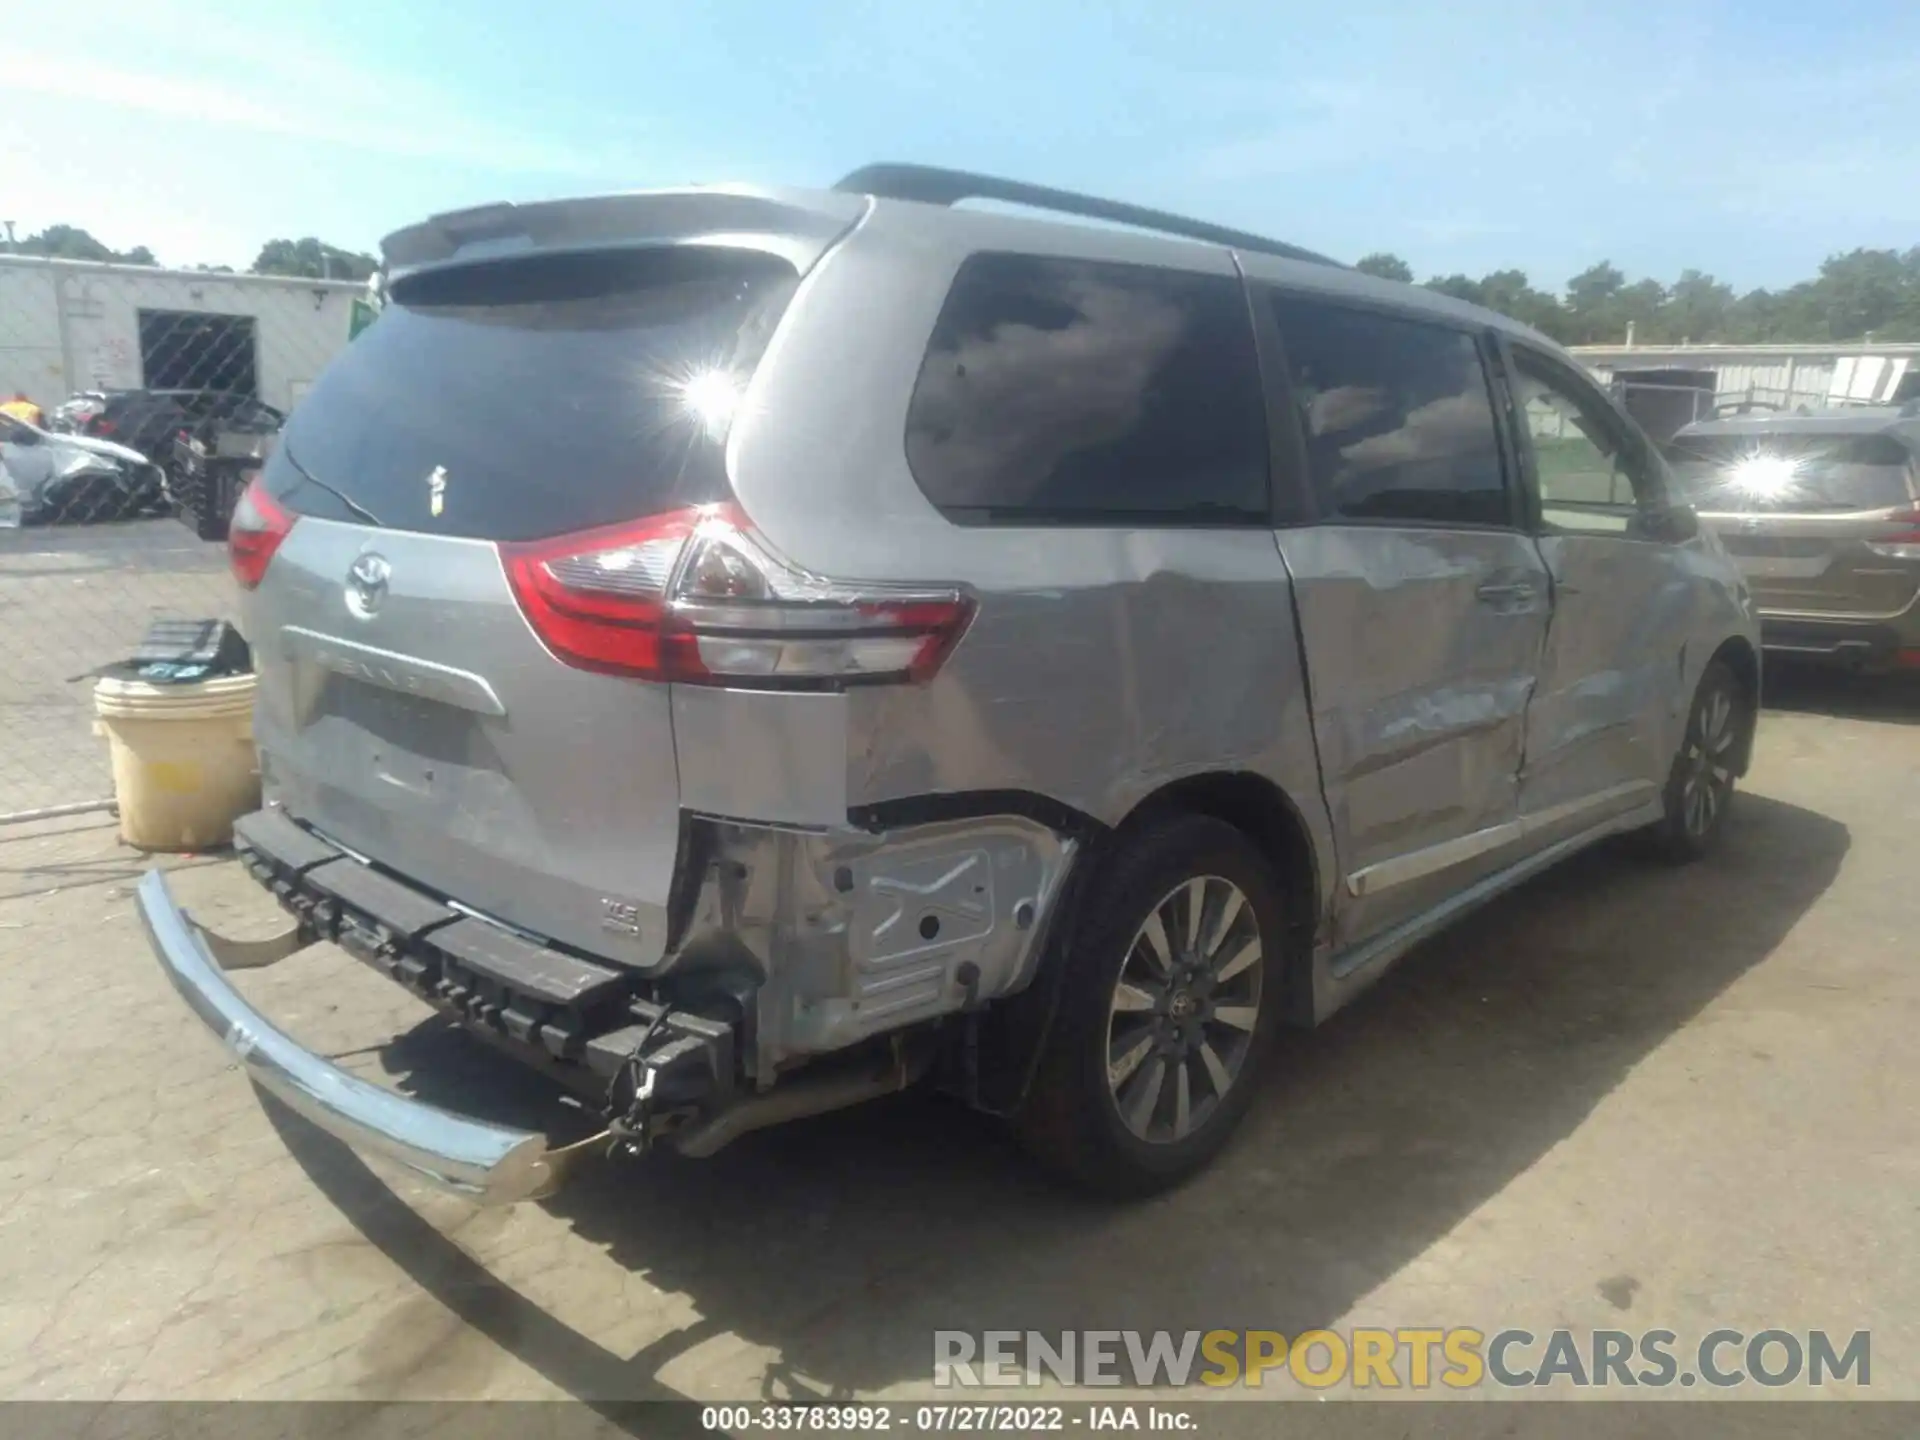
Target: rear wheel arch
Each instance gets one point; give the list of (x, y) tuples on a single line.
[(1109, 1103), (1250, 803), (1269, 817), (1019, 1028)]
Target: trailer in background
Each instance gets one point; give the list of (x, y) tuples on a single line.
[(1662, 381)]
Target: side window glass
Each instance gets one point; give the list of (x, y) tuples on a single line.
[(1080, 392), (1397, 416), (1589, 483)]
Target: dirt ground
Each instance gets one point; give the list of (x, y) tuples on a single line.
[(1622, 1097)]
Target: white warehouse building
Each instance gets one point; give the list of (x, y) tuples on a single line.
[(1668, 385), (69, 326)]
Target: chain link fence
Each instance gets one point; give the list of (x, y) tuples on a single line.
[(134, 405), (73, 598)]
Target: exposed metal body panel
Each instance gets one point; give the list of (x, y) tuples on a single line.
[(848, 935)]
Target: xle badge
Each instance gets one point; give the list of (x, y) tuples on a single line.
[(437, 490), (620, 917)]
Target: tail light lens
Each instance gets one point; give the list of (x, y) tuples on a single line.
[(258, 526), (697, 597), (100, 425), (1904, 543)]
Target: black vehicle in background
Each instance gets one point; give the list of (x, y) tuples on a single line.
[(145, 420), (212, 458), (199, 440)]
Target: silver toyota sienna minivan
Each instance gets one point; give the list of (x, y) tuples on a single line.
[(743, 652)]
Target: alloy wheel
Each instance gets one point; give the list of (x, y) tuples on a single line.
[(1184, 1009), (1708, 762)]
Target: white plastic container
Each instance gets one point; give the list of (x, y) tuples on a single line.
[(183, 759)]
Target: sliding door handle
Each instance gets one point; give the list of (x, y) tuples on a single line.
[(1496, 592)]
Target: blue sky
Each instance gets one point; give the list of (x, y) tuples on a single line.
[(1747, 137)]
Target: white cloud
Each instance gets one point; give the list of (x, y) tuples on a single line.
[(313, 100)]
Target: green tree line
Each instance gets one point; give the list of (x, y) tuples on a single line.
[(1861, 295), (1856, 296), (308, 258)]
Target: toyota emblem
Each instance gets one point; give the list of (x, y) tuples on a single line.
[(367, 584)]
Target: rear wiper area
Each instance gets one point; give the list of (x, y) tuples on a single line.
[(355, 510)]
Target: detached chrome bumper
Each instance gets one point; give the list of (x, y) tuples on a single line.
[(487, 1164)]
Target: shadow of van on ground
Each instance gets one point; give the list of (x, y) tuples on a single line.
[(1808, 689), (841, 1243)]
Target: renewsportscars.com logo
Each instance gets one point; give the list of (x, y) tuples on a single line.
[(1416, 1359)]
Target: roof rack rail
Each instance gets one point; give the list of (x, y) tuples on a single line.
[(932, 185)]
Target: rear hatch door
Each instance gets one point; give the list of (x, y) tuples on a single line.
[(1816, 523), (408, 711)]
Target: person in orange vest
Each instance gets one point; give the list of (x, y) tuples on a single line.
[(21, 408)]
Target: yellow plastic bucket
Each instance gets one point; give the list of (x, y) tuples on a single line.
[(183, 760)]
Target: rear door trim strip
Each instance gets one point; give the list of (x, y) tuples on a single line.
[(1432, 859), (389, 670)]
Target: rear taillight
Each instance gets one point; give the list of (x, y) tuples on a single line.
[(100, 425), (259, 524), (697, 597)]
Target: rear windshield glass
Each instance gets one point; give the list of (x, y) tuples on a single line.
[(1791, 474), (534, 397)]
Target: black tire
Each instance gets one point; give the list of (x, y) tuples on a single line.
[(1073, 1121), (149, 493), (1700, 786), (87, 500)]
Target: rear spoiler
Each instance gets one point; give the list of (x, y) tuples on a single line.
[(798, 226)]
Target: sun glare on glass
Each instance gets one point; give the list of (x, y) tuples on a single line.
[(1764, 477), (711, 397)]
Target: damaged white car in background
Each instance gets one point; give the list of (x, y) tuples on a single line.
[(46, 478)]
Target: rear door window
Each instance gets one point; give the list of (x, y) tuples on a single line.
[(1396, 414), (540, 395), (1069, 391), (1792, 474)]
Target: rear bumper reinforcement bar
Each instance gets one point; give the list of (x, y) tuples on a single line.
[(484, 1163)]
